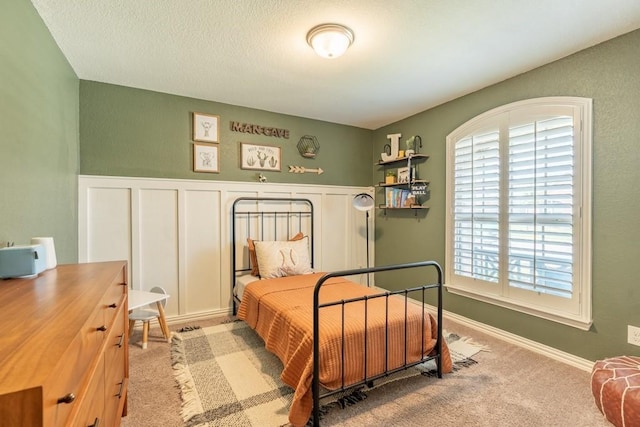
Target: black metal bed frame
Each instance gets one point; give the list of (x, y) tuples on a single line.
[(315, 387), (307, 212)]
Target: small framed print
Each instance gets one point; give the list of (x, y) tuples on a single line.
[(206, 158), (403, 175), (206, 127), (259, 157)]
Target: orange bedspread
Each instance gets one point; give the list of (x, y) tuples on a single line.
[(281, 312)]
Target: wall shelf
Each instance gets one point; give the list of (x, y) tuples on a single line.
[(401, 208), (414, 208), (403, 159), (403, 187), (400, 184)]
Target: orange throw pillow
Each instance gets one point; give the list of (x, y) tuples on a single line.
[(252, 253)]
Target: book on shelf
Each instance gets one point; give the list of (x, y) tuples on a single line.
[(397, 198)]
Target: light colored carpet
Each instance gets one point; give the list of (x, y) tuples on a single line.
[(228, 378), (510, 386)]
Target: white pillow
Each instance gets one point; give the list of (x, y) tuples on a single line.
[(283, 258)]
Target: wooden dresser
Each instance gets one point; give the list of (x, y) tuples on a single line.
[(64, 357)]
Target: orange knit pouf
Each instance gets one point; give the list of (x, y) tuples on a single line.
[(615, 384)]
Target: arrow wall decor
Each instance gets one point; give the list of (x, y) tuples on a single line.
[(302, 169)]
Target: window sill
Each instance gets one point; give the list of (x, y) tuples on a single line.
[(573, 321)]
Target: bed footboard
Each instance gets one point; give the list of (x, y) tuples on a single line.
[(435, 354)]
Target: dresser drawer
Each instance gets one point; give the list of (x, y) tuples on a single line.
[(116, 387), (112, 300), (116, 372), (115, 290), (66, 383), (116, 344), (91, 405)]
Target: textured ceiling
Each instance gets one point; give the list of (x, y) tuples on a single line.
[(408, 55)]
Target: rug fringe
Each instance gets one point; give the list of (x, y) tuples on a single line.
[(472, 342), (459, 347), (348, 399), (190, 400)]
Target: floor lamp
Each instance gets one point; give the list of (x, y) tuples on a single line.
[(364, 202)]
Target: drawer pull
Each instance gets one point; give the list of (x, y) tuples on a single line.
[(67, 398), (119, 395), (112, 305), (102, 328), (121, 341), (96, 423)]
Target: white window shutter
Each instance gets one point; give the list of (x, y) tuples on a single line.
[(519, 214)]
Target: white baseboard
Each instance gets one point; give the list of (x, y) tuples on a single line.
[(192, 317), (204, 315), (536, 347)]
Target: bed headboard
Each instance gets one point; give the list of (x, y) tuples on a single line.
[(267, 218)]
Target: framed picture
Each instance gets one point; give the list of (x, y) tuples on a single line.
[(403, 174), (259, 157), (206, 127), (206, 158)]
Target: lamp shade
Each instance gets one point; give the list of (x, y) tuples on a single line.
[(363, 202), (330, 40)]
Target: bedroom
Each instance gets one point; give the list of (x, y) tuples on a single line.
[(56, 127)]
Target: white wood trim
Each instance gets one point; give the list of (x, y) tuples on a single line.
[(536, 347), (182, 305), (135, 271), (575, 311), (193, 293)]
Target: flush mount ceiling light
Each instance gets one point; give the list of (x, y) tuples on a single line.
[(330, 40)]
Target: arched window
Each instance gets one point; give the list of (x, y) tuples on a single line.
[(519, 208)]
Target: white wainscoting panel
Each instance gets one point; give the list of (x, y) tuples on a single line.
[(202, 280), (158, 242), (177, 233), (110, 221)]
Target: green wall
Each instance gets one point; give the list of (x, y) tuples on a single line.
[(39, 140), (608, 73), (45, 111), (134, 132)]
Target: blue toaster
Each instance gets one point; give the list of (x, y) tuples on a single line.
[(24, 260)]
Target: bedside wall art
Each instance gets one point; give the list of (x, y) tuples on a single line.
[(206, 158), (206, 127), (259, 157)]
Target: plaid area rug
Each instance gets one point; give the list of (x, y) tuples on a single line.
[(228, 378)]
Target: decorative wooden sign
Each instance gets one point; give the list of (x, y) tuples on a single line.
[(259, 130), (302, 169)]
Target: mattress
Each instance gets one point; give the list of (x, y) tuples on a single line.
[(241, 283)]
